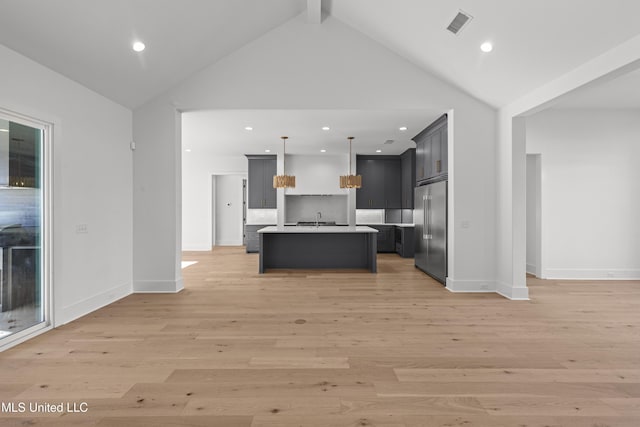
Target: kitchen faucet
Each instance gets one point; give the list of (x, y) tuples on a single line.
[(318, 216)]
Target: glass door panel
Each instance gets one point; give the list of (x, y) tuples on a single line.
[(21, 224)]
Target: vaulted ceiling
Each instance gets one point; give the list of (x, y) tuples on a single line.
[(537, 41)]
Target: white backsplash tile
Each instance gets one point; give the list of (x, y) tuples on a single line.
[(407, 216), (304, 208), (369, 216), (262, 216)]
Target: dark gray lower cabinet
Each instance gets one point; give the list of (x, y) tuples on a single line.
[(295, 249), (252, 239), (385, 237), (405, 244)]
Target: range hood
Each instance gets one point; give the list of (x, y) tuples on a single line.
[(317, 175)]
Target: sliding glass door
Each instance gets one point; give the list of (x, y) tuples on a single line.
[(23, 290)]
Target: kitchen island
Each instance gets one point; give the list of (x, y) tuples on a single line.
[(324, 247)]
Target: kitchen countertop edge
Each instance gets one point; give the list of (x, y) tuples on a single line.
[(321, 229)]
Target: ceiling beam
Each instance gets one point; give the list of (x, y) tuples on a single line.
[(314, 11)]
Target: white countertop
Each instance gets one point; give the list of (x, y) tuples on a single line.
[(396, 224), (321, 229)]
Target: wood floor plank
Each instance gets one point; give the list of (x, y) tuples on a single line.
[(341, 420), (478, 389), (340, 388), (519, 421), (519, 375), (551, 405), (192, 421), (22, 421), (279, 375), (262, 406)]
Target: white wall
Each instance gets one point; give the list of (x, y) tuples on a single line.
[(92, 183), (590, 192), (228, 210), (315, 77)]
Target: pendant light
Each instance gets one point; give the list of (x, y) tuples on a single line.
[(284, 181), (350, 181)]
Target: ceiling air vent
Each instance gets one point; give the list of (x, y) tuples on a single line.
[(458, 23), (389, 141)]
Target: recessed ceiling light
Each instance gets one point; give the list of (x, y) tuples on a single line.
[(4, 130), (326, 128), (267, 151), (188, 150), (323, 151), (138, 46), (378, 151), (248, 128), (402, 129), (486, 47)]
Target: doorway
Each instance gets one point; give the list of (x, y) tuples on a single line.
[(227, 196), (24, 293)]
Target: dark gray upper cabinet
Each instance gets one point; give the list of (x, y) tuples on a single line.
[(381, 182), (408, 166), (372, 183), (431, 152), (392, 183), (262, 195)]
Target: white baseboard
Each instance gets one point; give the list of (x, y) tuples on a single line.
[(592, 274), (517, 294), (470, 285), (229, 242), (74, 311), (157, 286), (531, 269)]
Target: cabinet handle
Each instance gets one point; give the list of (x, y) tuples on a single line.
[(438, 166)]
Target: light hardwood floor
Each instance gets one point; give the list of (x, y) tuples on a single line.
[(314, 348)]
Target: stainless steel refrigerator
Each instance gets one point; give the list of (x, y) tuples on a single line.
[(430, 218)]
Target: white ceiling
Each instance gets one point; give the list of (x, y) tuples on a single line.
[(223, 131), (535, 41), (90, 41), (620, 93)]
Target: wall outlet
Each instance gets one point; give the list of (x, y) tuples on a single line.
[(484, 286), (82, 229), (610, 274)]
